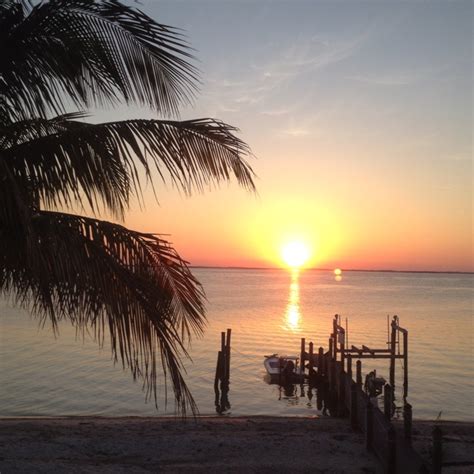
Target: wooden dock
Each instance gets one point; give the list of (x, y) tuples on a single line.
[(347, 396), (331, 372)]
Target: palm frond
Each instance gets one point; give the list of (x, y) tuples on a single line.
[(75, 162), (89, 52), (103, 276), (16, 133)]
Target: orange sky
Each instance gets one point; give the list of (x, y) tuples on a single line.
[(362, 125)]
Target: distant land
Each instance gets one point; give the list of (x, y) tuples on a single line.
[(332, 269)]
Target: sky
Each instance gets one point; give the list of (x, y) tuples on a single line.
[(359, 115)]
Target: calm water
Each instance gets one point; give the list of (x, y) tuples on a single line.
[(268, 311)]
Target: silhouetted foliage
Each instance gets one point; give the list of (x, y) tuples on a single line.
[(61, 266)]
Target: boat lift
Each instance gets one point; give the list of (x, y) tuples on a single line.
[(338, 344)]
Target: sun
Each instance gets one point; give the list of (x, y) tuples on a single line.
[(295, 254)]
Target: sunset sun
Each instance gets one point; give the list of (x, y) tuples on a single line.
[(295, 254)]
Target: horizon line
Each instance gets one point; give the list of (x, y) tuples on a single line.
[(233, 267)]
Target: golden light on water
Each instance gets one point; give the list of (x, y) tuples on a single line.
[(295, 254), (337, 272), (293, 315)]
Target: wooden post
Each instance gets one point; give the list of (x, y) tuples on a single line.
[(331, 350), (369, 426), (328, 370), (222, 341), (302, 354), (321, 370), (311, 360), (227, 353), (319, 397), (334, 335), (393, 341), (332, 374), (354, 423), (359, 373), (405, 364), (387, 401), (218, 372), (224, 352), (342, 390), (407, 421), (392, 450), (343, 347), (437, 449), (349, 366)]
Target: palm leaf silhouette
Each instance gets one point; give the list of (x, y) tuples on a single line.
[(70, 162), (99, 275), (105, 277), (93, 51)]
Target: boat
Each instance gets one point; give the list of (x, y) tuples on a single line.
[(282, 365)]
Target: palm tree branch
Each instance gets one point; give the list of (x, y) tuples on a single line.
[(91, 52), (103, 276), (87, 163)]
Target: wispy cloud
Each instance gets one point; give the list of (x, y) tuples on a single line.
[(392, 79), (275, 112), (266, 77), (296, 132)]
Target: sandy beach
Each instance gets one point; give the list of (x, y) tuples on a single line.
[(256, 444)]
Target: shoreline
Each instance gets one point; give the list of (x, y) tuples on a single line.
[(418, 421), (206, 444)]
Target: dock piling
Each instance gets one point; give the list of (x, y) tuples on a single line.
[(353, 412), (224, 353), (311, 360), (437, 450), (369, 426), (392, 451), (302, 354), (387, 401), (393, 342), (218, 372), (227, 356), (321, 369), (223, 374), (359, 373), (407, 421), (405, 363), (349, 366)]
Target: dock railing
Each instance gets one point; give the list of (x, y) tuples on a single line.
[(393, 448)]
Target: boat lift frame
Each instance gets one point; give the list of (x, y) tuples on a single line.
[(339, 340)]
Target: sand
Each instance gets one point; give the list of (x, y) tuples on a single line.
[(218, 444)]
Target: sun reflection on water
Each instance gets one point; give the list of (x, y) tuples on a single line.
[(293, 314)]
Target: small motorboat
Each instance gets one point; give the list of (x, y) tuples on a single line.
[(282, 365)]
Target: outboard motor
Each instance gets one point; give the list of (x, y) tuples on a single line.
[(373, 385), (289, 368)]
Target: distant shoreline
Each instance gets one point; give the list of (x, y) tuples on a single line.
[(215, 267)]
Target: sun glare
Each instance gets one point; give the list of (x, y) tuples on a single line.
[(295, 254)]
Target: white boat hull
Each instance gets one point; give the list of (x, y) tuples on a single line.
[(275, 364)]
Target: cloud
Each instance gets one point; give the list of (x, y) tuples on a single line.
[(296, 132), (275, 112), (223, 108), (392, 79), (260, 82)]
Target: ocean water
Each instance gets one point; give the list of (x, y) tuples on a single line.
[(268, 311)]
